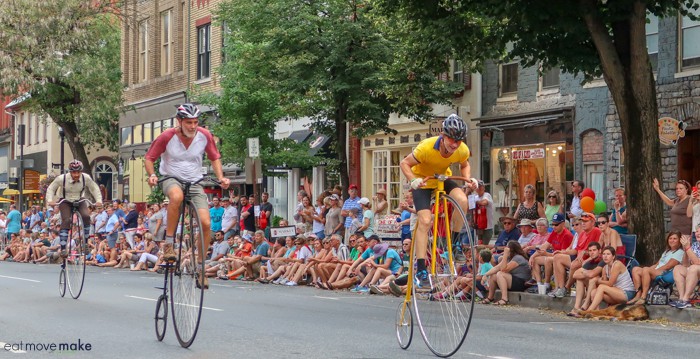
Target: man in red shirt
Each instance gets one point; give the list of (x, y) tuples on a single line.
[(574, 260), (559, 240)]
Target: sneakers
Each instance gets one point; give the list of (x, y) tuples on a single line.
[(682, 304), (359, 289), (291, 283), (394, 289), (558, 293), (423, 279), (202, 281), (375, 290), (673, 303)]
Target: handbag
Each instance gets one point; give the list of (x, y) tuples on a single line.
[(480, 218)]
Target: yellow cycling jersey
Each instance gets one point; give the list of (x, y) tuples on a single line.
[(431, 162)]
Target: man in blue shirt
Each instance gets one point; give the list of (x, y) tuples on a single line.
[(14, 221), (216, 213), (509, 233), (351, 202)]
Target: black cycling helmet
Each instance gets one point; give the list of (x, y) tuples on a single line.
[(454, 127), (187, 111), (75, 165)]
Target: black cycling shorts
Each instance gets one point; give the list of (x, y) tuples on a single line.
[(421, 196)]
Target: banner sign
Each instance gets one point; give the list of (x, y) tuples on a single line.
[(387, 226), (532, 153), (276, 232)]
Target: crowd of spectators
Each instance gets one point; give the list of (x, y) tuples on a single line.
[(336, 246)]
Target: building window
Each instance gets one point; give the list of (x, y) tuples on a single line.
[(106, 175), (203, 51), (46, 131), (508, 79), (147, 132), (157, 128), (37, 122), (143, 50), (126, 136), (167, 124), (225, 33), (690, 46), (457, 71), (138, 134), (166, 42), (28, 118), (386, 175), (652, 30), (550, 78)]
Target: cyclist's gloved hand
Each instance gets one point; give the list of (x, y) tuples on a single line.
[(417, 183)]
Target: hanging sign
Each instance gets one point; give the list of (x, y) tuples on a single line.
[(532, 153), (670, 130)]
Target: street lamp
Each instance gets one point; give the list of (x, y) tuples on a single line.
[(62, 134)]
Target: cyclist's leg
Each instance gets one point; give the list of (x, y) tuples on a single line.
[(457, 193), (421, 201), (173, 190), (85, 213), (199, 198), (66, 211)]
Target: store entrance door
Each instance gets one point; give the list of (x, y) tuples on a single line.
[(688, 160)]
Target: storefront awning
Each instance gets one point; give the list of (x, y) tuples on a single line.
[(14, 192), (5, 200), (299, 136)]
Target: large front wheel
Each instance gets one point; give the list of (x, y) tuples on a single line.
[(187, 296), (444, 310)]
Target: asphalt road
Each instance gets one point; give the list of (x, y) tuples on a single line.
[(115, 313)]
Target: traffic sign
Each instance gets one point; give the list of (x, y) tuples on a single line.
[(253, 147)]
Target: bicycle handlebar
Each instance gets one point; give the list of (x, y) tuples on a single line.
[(212, 179), (78, 201)]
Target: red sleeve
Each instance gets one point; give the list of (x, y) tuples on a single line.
[(595, 235), (211, 150), (158, 146)]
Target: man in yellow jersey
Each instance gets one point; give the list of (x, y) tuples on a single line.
[(434, 156)]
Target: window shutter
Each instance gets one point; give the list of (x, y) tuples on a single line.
[(467, 80)]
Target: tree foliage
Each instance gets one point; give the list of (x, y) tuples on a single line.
[(335, 62), (65, 54), (587, 37)]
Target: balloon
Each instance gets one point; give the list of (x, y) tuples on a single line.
[(587, 204), (588, 193), (600, 207)]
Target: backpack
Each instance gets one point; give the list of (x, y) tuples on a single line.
[(480, 217)]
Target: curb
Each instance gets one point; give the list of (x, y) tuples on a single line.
[(565, 304)]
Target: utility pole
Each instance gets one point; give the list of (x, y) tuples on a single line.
[(20, 175)]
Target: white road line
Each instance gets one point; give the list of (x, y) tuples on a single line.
[(545, 323), (28, 280), (320, 297), (488, 356), (153, 300), (2, 345)]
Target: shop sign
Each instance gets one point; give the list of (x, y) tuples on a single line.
[(435, 128), (31, 180), (288, 231), (670, 130), (387, 226), (532, 153)]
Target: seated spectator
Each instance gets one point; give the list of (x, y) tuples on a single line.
[(573, 258), (686, 278), (510, 274), (526, 234), (301, 270), (276, 252), (112, 255), (587, 278), (361, 267), (460, 288), (219, 250), (342, 267), (301, 255), (251, 264), (539, 238), (509, 233), (615, 286), (149, 255), (233, 262), (389, 265), (13, 248), (609, 236), (132, 255), (52, 251), (671, 257), (558, 241)]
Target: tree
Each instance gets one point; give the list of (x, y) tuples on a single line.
[(65, 54), (336, 62), (584, 36)]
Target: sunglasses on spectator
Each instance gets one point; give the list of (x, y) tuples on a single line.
[(602, 222), (552, 196), (577, 224)]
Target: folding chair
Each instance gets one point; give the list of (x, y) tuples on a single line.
[(630, 243)]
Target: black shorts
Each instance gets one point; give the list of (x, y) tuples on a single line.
[(421, 196), (517, 284)]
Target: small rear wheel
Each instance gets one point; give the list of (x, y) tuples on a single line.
[(404, 324), (161, 317), (62, 283), (75, 263)]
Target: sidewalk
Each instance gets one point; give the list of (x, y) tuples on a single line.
[(690, 315)]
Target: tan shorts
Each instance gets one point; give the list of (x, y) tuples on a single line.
[(199, 198), (256, 268)]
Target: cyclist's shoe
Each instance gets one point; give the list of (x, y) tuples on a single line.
[(169, 254), (423, 279), (202, 281)]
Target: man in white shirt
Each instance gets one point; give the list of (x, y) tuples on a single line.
[(229, 221)]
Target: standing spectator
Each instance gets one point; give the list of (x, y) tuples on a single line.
[(300, 206), (529, 208), (334, 221), (484, 206), (14, 221), (319, 219), (117, 205), (216, 213), (247, 216), (407, 210), (693, 210), (3, 228), (112, 227), (575, 208), (307, 214), (229, 221), (380, 203), (367, 217), (100, 220), (35, 220), (680, 222), (351, 202), (553, 206), (155, 223), (265, 219), (618, 217), (131, 223)]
